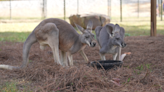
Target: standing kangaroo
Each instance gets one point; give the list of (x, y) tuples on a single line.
[(110, 39), (59, 35)]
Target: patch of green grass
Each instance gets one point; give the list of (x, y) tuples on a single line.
[(30, 61), (127, 34), (17, 27), (133, 27), (140, 67), (9, 87), (148, 66), (14, 86), (138, 26), (29, 18), (19, 18), (14, 36), (128, 80)]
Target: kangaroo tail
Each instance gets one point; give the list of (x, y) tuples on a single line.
[(26, 48)]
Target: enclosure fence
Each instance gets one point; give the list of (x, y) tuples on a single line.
[(115, 9)]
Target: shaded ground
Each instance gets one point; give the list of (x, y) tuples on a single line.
[(142, 70)]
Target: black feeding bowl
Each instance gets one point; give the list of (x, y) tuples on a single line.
[(106, 64)]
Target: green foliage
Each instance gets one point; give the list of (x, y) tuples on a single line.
[(148, 66), (140, 67), (9, 87), (128, 80)]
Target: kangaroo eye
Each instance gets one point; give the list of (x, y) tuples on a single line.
[(86, 36), (117, 38)]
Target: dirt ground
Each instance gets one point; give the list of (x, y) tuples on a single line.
[(142, 70)]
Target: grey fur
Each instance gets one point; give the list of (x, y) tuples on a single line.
[(60, 36), (110, 39)]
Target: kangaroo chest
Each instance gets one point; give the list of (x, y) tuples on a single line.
[(113, 49)]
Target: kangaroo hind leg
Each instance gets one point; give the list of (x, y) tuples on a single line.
[(53, 42)]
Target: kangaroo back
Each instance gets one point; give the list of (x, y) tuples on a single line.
[(67, 34)]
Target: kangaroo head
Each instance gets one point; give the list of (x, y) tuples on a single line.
[(116, 35), (87, 36)]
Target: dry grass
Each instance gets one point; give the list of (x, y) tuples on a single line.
[(142, 71)]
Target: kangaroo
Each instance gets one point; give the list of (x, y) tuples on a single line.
[(60, 36), (110, 39)]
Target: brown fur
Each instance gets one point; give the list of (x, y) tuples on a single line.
[(64, 44), (59, 35)]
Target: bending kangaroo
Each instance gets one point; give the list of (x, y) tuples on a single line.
[(59, 35), (110, 39)]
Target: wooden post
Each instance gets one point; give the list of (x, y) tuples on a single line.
[(64, 11), (161, 9), (108, 6), (121, 10), (109, 9), (44, 10), (138, 8), (77, 6), (153, 18), (10, 9)]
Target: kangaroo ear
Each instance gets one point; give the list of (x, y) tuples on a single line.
[(122, 31), (116, 28), (109, 30), (90, 25), (79, 28)]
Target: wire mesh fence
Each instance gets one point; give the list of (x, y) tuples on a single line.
[(117, 10)]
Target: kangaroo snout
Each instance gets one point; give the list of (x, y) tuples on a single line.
[(123, 45), (93, 44)]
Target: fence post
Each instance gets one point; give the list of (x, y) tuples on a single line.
[(10, 10), (44, 9), (121, 10), (153, 18), (109, 9), (138, 8), (161, 9), (64, 11), (77, 6), (108, 6)]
